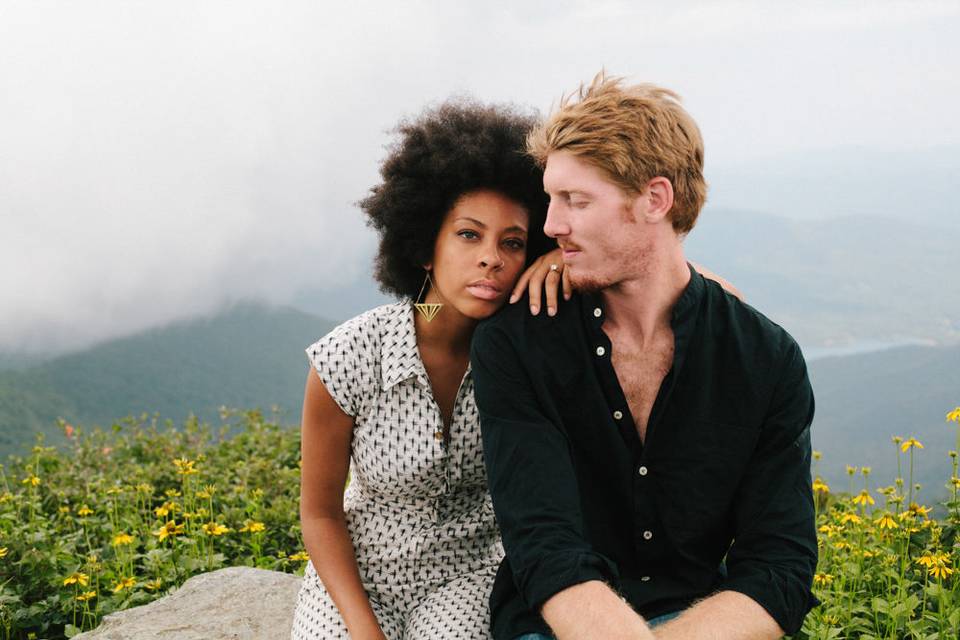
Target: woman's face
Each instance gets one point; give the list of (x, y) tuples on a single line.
[(479, 254)]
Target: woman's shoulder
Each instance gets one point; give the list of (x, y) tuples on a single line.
[(363, 333)]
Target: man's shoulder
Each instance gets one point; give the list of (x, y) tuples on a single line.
[(728, 317), (515, 319)]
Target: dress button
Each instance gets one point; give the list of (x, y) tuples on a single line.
[(597, 312), (647, 535), (617, 415), (645, 579), (642, 471), (601, 351)]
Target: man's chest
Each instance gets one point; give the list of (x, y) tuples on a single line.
[(640, 371)]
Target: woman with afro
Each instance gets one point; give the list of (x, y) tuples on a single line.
[(410, 549)]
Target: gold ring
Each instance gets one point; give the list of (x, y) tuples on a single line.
[(554, 267)]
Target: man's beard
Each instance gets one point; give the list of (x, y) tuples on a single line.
[(590, 283)]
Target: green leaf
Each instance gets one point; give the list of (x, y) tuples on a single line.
[(71, 630)]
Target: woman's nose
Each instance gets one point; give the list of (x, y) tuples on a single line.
[(491, 258)]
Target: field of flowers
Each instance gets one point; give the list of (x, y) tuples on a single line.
[(121, 517)]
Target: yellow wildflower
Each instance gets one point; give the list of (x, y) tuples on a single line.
[(31, 480), (64, 509), (124, 583), (301, 556), (153, 585), (886, 521), (822, 578), (826, 529), (850, 517), (143, 487), (87, 595), (840, 545), (252, 526), (112, 491), (121, 539), (820, 485), (78, 578), (185, 467), (851, 470), (863, 498), (897, 440), (865, 470), (867, 554), (207, 491), (84, 511), (3, 552), (817, 455), (955, 481), (165, 509), (214, 529), (170, 529), (954, 416), (911, 443), (919, 511), (172, 493)]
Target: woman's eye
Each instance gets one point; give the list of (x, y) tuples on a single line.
[(468, 234), (515, 243)]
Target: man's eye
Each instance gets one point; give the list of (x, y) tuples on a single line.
[(578, 204)]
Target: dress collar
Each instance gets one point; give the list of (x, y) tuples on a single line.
[(399, 356)]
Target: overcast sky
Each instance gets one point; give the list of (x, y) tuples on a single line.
[(161, 159)]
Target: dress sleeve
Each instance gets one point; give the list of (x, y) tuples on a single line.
[(774, 555), (344, 361)]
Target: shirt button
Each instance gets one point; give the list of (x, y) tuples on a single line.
[(601, 351), (438, 435), (642, 471), (647, 535), (597, 312), (617, 415), (645, 579)]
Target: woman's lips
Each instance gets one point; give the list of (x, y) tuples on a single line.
[(484, 291)]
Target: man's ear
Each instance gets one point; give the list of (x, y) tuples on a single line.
[(659, 196)]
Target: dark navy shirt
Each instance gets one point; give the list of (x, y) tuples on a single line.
[(717, 497)]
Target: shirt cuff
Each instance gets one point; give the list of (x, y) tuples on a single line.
[(784, 598), (557, 571)]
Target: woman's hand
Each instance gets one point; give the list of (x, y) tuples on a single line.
[(547, 272)]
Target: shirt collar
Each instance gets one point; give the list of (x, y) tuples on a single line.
[(399, 356), (682, 316)]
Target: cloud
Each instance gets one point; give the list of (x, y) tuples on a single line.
[(162, 159)]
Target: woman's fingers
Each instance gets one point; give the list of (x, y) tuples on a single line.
[(521, 285), (552, 285), (567, 286), (535, 288)]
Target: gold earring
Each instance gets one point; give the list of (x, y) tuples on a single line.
[(429, 310)]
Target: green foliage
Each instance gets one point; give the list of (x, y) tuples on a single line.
[(125, 515)]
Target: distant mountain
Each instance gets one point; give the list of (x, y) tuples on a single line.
[(913, 187), (249, 356), (831, 282), (864, 400)]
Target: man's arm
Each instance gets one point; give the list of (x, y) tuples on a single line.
[(727, 615), (774, 554), (537, 503)]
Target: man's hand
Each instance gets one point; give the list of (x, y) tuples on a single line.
[(727, 615), (592, 610)]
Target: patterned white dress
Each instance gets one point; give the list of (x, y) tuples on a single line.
[(417, 507)]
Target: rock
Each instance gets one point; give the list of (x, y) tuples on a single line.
[(239, 603)]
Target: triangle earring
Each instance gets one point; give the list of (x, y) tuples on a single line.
[(428, 310)]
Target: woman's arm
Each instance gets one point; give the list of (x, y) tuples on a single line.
[(326, 433)]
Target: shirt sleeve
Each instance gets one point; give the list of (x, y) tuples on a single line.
[(774, 554), (531, 477), (342, 360)]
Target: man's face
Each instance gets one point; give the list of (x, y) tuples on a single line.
[(600, 229)]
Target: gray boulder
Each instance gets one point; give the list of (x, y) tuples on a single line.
[(239, 603)]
